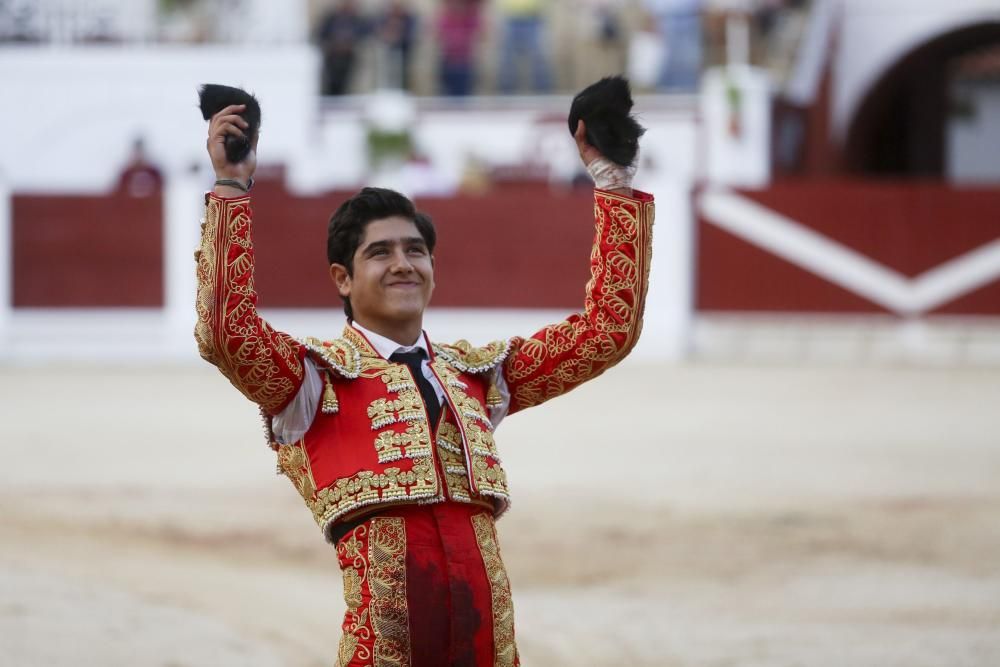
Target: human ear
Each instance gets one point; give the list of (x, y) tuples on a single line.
[(341, 278)]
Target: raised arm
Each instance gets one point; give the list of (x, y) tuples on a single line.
[(264, 364), (562, 356)]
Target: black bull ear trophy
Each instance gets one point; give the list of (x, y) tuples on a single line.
[(213, 98), (604, 108)]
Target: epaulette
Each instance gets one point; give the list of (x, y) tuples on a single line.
[(468, 359), (338, 354)]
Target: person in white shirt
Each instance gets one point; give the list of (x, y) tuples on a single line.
[(387, 435)]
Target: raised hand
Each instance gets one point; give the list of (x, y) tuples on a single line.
[(228, 121), (606, 174), (587, 152)]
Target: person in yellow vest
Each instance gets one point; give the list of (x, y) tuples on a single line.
[(523, 38), (387, 433)]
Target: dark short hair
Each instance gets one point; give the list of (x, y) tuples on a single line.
[(347, 226)]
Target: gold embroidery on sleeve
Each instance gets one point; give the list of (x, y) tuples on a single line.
[(563, 355), (257, 360)]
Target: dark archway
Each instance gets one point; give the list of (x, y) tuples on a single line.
[(899, 129)]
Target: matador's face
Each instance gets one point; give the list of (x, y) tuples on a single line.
[(393, 274)]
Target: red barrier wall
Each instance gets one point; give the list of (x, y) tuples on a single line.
[(519, 246), (85, 251), (908, 227)]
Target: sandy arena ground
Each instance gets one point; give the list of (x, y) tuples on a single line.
[(696, 515)]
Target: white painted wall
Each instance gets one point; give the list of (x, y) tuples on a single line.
[(70, 115), (143, 21), (875, 34), (973, 140), (76, 112)]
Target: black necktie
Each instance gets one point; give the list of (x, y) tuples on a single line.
[(414, 360)]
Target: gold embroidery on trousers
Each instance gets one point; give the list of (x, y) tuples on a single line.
[(356, 626), (387, 583), (505, 650)]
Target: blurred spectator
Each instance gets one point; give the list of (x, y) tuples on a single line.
[(184, 21), (20, 21), (766, 15), (679, 22), (396, 29), (458, 26), (523, 27), (599, 41), (140, 178), (779, 24), (727, 24), (646, 54), (761, 32), (340, 33)]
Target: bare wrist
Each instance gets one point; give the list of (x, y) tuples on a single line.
[(610, 176)]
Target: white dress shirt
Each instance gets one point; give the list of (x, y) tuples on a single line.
[(292, 423)]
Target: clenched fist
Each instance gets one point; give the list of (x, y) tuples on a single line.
[(229, 121)]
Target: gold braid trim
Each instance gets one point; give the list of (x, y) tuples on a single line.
[(366, 488), (387, 582), (562, 356), (338, 354), (263, 364), (294, 463), (504, 648), (474, 360), (356, 626)]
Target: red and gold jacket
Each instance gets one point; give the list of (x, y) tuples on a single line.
[(370, 444)]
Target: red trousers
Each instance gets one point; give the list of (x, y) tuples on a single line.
[(425, 587)]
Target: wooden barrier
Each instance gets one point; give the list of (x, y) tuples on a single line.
[(87, 251), (907, 229), (518, 245)]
